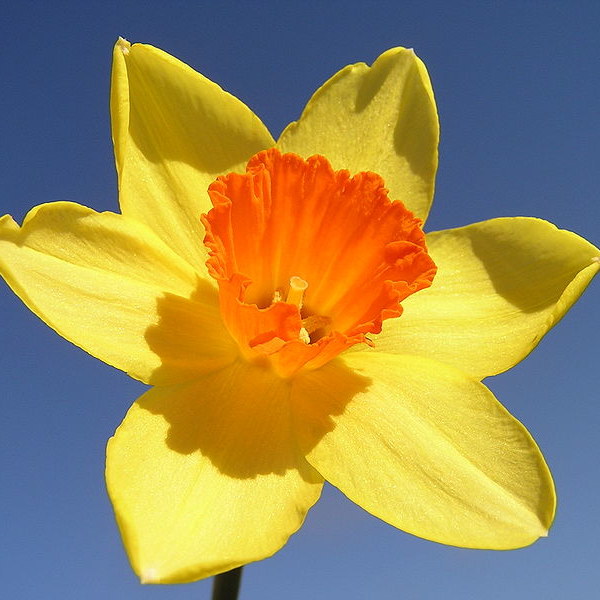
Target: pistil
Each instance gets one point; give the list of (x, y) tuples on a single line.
[(296, 293)]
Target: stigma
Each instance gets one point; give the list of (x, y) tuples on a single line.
[(296, 292)]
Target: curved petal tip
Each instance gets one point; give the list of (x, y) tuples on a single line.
[(123, 45)]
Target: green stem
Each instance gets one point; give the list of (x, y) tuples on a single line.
[(227, 585)]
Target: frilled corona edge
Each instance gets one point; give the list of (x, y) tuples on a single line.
[(309, 261)]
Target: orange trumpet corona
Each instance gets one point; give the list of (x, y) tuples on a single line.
[(309, 260)]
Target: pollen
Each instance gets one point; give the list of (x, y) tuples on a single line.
[(288, 221)]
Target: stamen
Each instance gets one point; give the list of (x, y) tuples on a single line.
[(296, 294), (314, 322), (304, 336)]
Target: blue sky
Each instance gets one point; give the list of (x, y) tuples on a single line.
[(517, 87)]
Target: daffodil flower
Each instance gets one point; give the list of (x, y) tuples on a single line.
[(294, 321)]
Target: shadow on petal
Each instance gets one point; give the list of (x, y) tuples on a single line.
[(416, 121), (373, 80), (237, 414), (529, 262), (319, 395), (189, 338), (416, 132), (178, 115), (241, 418)]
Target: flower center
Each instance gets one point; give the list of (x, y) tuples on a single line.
[(309, 260)]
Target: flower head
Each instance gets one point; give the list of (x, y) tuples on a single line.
[(295, 322)]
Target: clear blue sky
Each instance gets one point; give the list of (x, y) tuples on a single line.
[(517, 88)]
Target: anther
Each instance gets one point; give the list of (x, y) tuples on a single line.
[(304, 336)]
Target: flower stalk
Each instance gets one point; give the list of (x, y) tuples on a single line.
[(226, 586)]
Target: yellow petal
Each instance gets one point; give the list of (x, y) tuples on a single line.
[(501, 285), (380, 118), (427, 449), (174, 131), (206, 476), (109, 285)]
